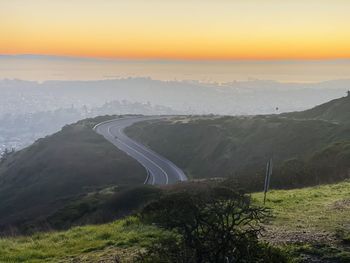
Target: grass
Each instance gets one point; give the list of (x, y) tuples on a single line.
[(122, 238), (312, 221), (337, 110), (324, 207)]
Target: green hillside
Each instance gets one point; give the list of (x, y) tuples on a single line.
[(37, 181), (240, 146), (120, 239), (311, 224), (337, 110)]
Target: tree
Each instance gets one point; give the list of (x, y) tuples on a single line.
[(215, 224)]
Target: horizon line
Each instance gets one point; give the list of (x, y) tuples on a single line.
[(134, 59), (184, 80)]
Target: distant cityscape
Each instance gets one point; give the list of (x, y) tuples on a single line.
[(31, 110), (20, 130)]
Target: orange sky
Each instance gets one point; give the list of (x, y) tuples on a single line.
[(181, 29)]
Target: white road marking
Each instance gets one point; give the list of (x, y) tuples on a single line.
[(166, 175), (177, 172), (180, 174)]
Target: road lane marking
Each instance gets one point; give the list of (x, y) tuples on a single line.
[(166, 175), (179, 173)]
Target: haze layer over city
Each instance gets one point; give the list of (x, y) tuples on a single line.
[(35, 88)]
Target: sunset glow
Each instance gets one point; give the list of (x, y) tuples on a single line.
[(191, 29)]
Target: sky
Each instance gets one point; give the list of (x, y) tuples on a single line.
[(178, 30)]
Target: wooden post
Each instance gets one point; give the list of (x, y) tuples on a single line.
[(269, 167)]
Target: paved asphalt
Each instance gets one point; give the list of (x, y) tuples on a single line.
[(160, 170)]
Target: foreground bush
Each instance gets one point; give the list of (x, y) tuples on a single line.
[(215, 224)]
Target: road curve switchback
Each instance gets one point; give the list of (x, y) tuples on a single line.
[(160, 171)]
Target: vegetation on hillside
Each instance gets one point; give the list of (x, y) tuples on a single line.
[(121, 239), (305, 151), (309, 224), (337, 110), (102, 206), (327, 165), (210, 223), (37, 181), (313, 223), (214, 224)]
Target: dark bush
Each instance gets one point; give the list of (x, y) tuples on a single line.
[(215, 224)]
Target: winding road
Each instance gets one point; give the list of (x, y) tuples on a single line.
[(160, 170)]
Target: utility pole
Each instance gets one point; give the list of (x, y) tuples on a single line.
[(269, 168)]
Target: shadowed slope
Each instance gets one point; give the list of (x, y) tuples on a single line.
[(39, 179)]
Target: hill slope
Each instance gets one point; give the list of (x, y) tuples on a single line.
[(310, 223), (337, 110), (40, 179), (240, 146)]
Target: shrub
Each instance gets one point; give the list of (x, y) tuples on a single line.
[(215, 224)]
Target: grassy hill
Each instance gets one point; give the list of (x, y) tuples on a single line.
[(311, 224), (240, 146), (39, 180), (337, 110), (101, 243)]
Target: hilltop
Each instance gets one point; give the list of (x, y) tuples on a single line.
[(337, 110)]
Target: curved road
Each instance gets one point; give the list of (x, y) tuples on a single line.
[(160, 170)]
